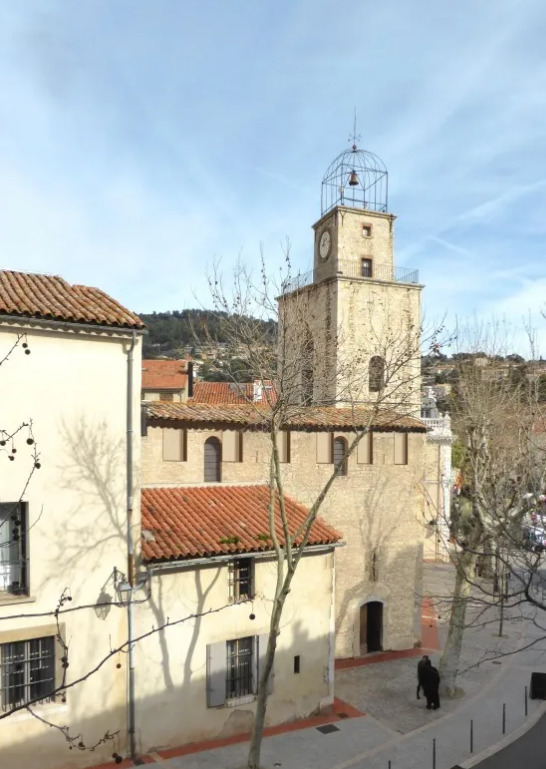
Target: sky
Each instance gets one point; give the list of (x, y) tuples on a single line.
[(141, 142)]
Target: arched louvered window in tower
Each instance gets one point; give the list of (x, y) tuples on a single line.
[(339, 455), (213, 459), (376, 373)]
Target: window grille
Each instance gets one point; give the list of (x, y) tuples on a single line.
[(13, 547), (239, 667), (27, 672), (240, 580)]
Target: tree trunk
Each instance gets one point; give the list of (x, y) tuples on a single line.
[(451, 656), (254, 751)]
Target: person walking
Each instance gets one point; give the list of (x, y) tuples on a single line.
[(431, 685), (423, 662)]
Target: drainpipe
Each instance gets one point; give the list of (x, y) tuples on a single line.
[(130, 548)]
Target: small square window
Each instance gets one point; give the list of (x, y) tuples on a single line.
[(241, 587), (366, 268), (367, 230)]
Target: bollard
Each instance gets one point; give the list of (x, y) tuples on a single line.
[(525, 702), (434, 753), (471, 736), (504, 717)]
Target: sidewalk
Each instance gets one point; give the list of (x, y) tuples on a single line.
[(377, 720)]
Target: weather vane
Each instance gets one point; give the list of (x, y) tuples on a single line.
[(355, 137)]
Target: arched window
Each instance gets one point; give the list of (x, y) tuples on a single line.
[(376, 374), (339, 455), (213, 459)]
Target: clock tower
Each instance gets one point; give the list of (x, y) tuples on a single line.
[(362, 313)]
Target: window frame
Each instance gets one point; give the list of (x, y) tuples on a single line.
[(343, 470), (376, 377), (236, 579), (367, 230), (20, 562), (28, 637), (240, 663), (366, 261), (213, 440)]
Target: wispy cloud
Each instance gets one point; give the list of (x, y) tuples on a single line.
[(140, 141)]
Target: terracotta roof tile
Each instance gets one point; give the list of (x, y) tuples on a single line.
[(230, 392), (50, 297), (194, 522), (255, 416), (164, 374)]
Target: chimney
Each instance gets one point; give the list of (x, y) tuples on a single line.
[(189, 370), (257, 391)]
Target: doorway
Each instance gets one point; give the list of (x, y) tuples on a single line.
[(371, 627)]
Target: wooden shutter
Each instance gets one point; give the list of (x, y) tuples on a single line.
[(324, 448), (364, 450), (216, 674), (262, 650), (174, 445), (400, 448), (232, 446), (284, 445), (213, 459)]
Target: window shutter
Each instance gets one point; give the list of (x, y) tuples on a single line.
[(216, 674), (232, 446), (400, 448), (262, 649), (173, 445), (284, 445), (324, 448), (364, 450)]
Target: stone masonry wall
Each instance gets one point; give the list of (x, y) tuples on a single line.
[(377, 508)]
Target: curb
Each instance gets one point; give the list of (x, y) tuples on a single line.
[(512, 737)]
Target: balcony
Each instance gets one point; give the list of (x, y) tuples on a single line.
[(359, 271)]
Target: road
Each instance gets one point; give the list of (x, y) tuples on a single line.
[(528, 751)]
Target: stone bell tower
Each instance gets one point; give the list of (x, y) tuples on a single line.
[(362, 313)]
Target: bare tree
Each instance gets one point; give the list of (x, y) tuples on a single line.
[(300, 371), (493, 414)]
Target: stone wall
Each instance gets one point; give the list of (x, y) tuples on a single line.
[(377, 508)]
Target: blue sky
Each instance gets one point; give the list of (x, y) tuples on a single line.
[(140, 141)]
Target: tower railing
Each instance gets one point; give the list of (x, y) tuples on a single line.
[(352, 269)]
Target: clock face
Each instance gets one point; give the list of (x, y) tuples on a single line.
[(325, 244)]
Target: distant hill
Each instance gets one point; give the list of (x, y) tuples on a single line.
[(179, 333)]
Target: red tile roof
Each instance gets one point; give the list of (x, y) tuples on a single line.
[(164, 374), (201, 521), (203, 415), (230, 392), (50, 297)]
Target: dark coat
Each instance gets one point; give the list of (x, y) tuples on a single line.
[(430, 680)]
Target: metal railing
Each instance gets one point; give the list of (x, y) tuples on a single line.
[(355, 269)]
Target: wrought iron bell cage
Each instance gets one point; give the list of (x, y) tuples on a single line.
[(358, 179)]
